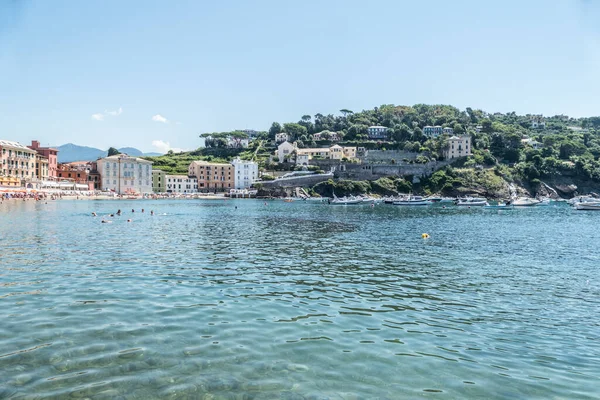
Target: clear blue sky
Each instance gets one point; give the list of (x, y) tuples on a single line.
[(200, 66)]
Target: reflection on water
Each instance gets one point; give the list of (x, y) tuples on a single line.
[(297, 301)]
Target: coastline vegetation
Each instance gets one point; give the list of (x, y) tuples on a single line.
[(507, 147)]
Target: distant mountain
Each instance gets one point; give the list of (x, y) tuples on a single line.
[(71, 152)]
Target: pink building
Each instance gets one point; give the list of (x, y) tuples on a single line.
[(51, 154)]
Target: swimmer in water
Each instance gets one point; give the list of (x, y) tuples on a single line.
[(151, 212), (119, 212), (142, 210), (94, 214), (132, 210), (129, 220)]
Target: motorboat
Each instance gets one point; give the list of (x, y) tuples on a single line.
[(343, 201), (525, 202), (589, 206), (472, 202), (433, 199), (314, 199), (583, 199), (412, 201), (544, 202), (448, 200), (497, 206)]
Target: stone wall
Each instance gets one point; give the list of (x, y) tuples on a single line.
[(376, 171), (300, 181), (386, 156)]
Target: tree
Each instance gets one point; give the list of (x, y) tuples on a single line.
[(274, 130), (295, 130), (113, 152), (345, 111)]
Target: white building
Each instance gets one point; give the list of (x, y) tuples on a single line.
[(377, 132), (181, 184), (433, 131), (281, 137), (123, 174), (285, 149), (237, 143), (457, 147), (538, 122), (327, 135), (448, 131), (245, 173), (534, 144)]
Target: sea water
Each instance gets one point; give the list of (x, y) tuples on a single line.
[(243, 299)]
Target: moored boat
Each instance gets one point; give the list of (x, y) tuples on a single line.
[(589, 206), (472, 202), (525, 202), (412, 201)]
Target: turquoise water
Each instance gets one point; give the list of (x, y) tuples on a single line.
[(297, 301)]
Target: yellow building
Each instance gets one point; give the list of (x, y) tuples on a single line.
[(41, 167), (212, 177)]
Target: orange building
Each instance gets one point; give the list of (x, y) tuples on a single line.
[(212, 177)]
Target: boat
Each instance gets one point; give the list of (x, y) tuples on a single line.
[(412, 201), (472, 202), (343, 201), (448, 200), (544, 202), (497, 206), (525, 202), (433, 199), (589, 206), (583, 199), (314, 199)]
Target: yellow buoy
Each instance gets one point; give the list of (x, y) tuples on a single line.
[(425, 235)]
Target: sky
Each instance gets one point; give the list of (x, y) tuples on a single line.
[(156, 74)]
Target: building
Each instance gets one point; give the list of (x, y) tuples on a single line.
[(159, 180), (335, 152), (534, 144), (123, 174), (41, 167), (94, 177), (252, 134), (281, 137), (212, 177), (51, 154), (457, 147), (327, 135), (433, 131), (538, 122), (377, 132), (77, 172), (17, 161), (181, 184), (284, 151), (237, 143), (448, 131), (245, 173)]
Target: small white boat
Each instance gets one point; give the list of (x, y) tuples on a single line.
[(343, 201), (472, 202), (412, 201), (583, 199), (314, 199), (497, 206), (590, 206), (544, 202), (448, 200), (525, 202)]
